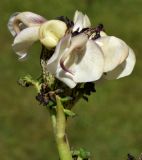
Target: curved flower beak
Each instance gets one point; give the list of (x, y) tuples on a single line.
[(89, 64), (19, 21), (53, 65), (51, 32), (82, 58), (24, 40), (80, 21), (124, 69)]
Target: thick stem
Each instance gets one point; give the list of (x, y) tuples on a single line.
[(59, 125)]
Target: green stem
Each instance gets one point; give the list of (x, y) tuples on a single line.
[(59, 124), (53, 119)]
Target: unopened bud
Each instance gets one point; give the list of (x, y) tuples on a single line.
[(51, 32)]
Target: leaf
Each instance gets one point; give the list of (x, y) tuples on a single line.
[(65, 99), (69, 113), (84, 154)]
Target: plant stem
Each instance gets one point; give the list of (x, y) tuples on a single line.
[(59, 124)]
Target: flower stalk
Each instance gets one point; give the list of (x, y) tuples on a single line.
[(59, 125)]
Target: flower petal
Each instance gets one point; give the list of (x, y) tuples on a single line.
[(83, 58), (19, 21), (10, 23), (25, 39), (87, 65), (80, 21), (62, 52), (51, 32), (54, 61), (77, 45), (65, 78), (86, 22), (115, 51), (53, 64), (123, 69)]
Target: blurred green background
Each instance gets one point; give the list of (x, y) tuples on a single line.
[(110, 125)]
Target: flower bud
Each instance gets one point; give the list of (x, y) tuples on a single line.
[(51, 32)]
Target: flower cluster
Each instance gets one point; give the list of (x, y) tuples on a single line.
[(81, 53)]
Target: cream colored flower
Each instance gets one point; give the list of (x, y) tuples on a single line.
[(51, 32), (80, 58), (85, 56), (76, 60), (24, 27), (21, 20), (28, 27), (119, 57)]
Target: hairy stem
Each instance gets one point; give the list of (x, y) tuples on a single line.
[(59, 124)]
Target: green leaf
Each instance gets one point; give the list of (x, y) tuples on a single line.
[(66, 99), (51, 104), (84, 154), (27, 81), (81, 153), (69, 113)]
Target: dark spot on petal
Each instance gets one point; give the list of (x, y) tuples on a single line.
[(98, 29), (77, 32)]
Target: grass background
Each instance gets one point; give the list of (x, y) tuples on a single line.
[(110, 125)]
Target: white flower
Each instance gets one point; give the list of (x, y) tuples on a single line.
[(80, 59), (82, 54), (76, 60), (80, 21), (24, 27), (124, 69), (21, 20), (28, 27), (119, 57)]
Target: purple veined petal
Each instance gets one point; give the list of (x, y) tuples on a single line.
[(64, 48), (115, 51), (10, 23), (60, 74), (80, 21), (78, 43), (123, 69), (66, 78), (19, 21), (53, 64), (62, 65), (24, 40), (88, 65), (54, 61), (62, 53)]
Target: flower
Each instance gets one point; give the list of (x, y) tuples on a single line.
[(82, 53), (21, 20), (74, 60), (24, 26), (82, 58), (80, 21), (28, 27)]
